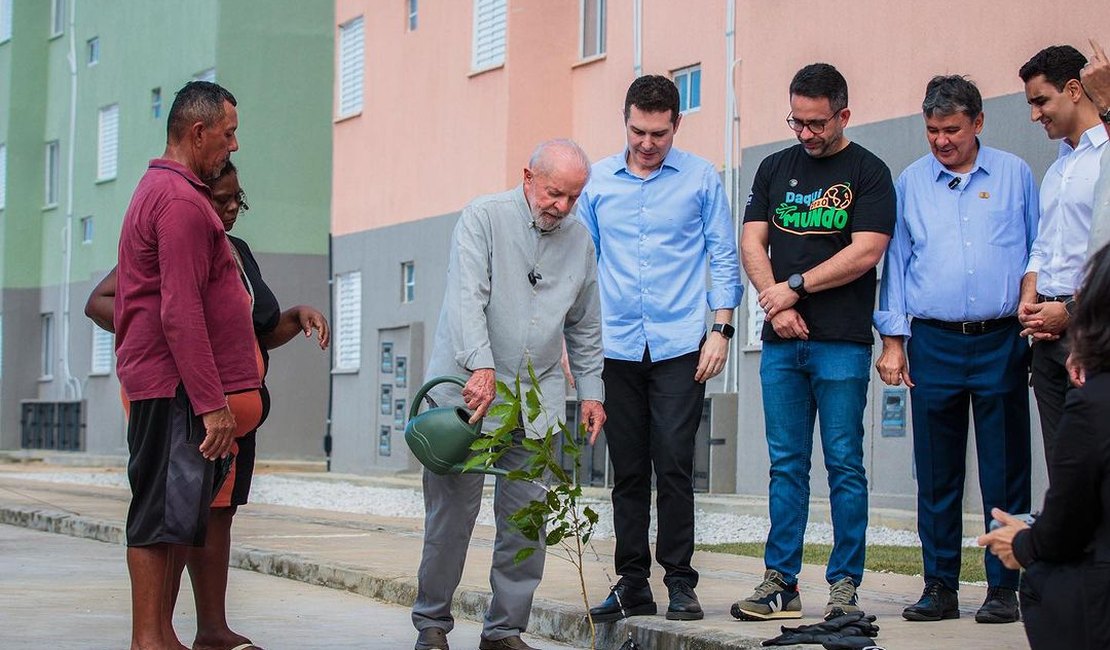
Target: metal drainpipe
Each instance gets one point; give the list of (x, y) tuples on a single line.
[(637, 38), (72, 385), (331, 375), (732, 167)]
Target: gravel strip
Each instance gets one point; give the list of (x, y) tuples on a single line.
[(342, 496)]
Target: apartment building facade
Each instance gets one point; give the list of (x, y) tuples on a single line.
[(85, 89), (439, 102)]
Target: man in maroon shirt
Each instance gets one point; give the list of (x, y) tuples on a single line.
[(184, 340)]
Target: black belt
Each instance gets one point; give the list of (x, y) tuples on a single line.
[(1041, 298), (972, 327)]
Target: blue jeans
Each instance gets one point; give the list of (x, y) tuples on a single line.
[(801, 381)]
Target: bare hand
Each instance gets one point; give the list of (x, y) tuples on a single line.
[(712, 359), (593, 415), (1001, 540), (1044, 320), (219, 433), (311, 319), (479, 392), (789, 324), (892, 365), (1095, 77), (777, 298), (1076, 373)]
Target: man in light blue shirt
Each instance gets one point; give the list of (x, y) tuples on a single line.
[(967, 216), (660, 220)]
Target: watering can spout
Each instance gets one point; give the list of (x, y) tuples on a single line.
[(440, 438)]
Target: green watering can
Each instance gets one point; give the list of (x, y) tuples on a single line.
[(440, 437)]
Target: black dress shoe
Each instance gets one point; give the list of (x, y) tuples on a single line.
[(1000, 606), (937, 602), (624, 600), (684, 602)]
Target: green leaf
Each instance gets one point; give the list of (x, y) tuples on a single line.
[(483, 442), (534, 405), (523, 554), (532, 373), (499, 411)]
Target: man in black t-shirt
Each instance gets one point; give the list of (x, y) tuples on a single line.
[(818, 220)]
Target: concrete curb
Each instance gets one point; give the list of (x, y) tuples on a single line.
[(553, 620)]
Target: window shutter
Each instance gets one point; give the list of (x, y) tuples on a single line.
[(102, 352), (489, 33), (351, 62), (348, 339), (107, 142)]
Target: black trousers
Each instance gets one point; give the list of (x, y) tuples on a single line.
[(654, 409), (1066, 606), (1050, 387)]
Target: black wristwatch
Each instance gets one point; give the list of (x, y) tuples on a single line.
[(797, 284), (725, 329)]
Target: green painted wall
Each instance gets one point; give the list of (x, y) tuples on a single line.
[(23, 61), (276, 57)]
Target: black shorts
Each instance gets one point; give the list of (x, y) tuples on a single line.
[(171, 483)]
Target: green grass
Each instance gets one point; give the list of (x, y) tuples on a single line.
[(890, 559)]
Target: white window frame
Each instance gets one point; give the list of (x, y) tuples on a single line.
[(86, 229), (92, 47), (3, 173), (350, 68), (408, 281), (103, 352), (413, 15), (46, 336), (107, 142), (6, 20), (683, 77), (57, 18), (756, 316), (348, 321), (491, 21), (53, 172), (591, 43), (156, 102)]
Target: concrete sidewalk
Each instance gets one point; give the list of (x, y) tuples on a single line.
[(378, 557)]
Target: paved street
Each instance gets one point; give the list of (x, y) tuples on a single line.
[(72, 594)]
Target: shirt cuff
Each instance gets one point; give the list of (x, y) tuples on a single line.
[(1033, 266), (724, 297), (590, 388), (475, 359), (889, 323)]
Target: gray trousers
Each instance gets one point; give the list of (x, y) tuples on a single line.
[(451, 504)]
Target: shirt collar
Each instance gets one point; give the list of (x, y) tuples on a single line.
[(982, 162), (674, 160), (180, 170), (1093, 137)]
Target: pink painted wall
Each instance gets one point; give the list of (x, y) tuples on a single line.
[(431, 137)]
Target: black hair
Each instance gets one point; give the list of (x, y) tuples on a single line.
[(652, 94), (1090, 331), (818, 80), (197, 101), (1059, 64)]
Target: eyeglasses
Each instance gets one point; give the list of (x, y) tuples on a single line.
[(816, 127)]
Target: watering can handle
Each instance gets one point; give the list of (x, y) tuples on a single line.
[(420, 394)]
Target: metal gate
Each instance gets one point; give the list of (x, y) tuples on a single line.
[(52, 425)]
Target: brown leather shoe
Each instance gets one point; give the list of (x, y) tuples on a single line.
[(432, 638), (506, 643)]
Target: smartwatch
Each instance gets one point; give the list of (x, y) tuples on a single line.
[(725, 329), (797, 283)]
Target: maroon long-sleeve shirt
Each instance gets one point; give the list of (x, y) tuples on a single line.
[(182, 314)]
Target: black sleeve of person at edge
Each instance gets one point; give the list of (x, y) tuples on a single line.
[(855, 631)]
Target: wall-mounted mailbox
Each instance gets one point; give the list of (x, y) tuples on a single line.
[(894, 412)]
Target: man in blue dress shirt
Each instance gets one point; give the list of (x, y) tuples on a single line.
[(967, 216), (659, 219)]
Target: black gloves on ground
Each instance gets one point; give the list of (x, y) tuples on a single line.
[(845, 632)]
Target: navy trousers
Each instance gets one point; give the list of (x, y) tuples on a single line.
[(952, 371)]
